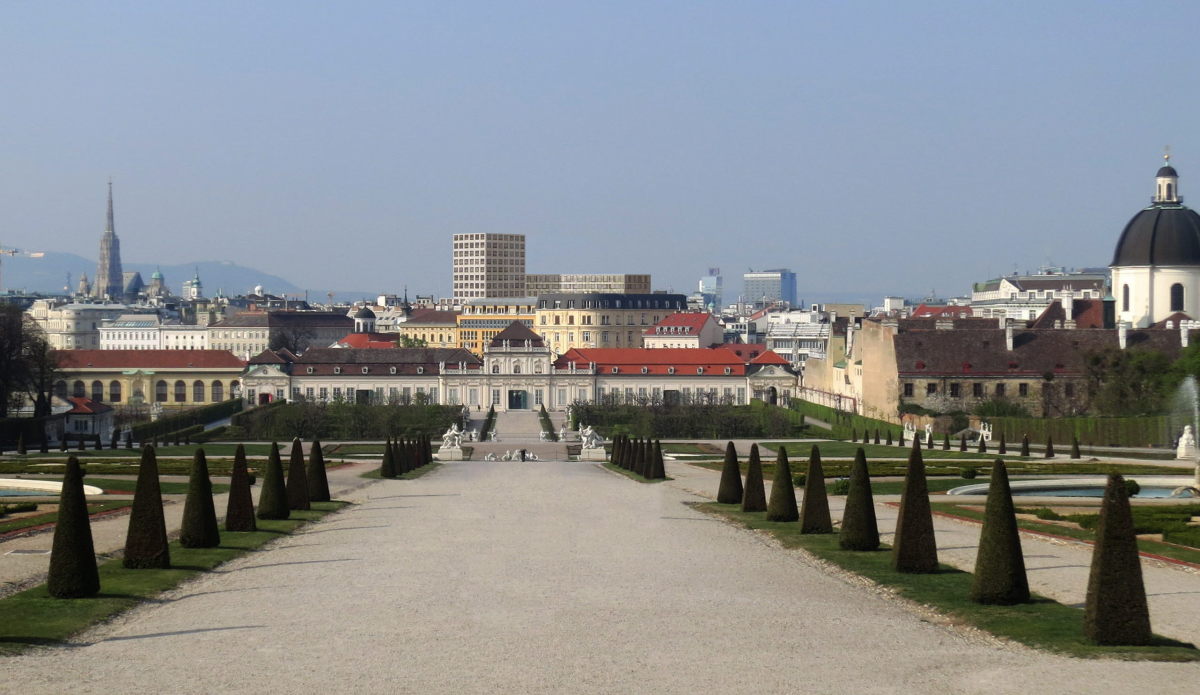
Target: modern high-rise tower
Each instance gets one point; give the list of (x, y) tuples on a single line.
[(489, 265), (110, 281)]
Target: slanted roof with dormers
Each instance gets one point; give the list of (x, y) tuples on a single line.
[(661, 361), (516, 335), (681, 324)]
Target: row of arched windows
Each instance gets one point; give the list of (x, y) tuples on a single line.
[(163, 392), (1176, 297)]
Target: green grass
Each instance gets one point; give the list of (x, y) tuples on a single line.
[(33, 618), (1042, 624), (411, 475), (32, 520), (1170, 550), (210, 449), (354, 450), (841, 469), (634, 476), (111, 486)]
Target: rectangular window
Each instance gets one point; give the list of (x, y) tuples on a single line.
[(741, 394), (537, 397), (562, 398), (977, 390), (324, 393), (452, 394), (308, 392), (473, 397), (337, 393), (999, 389), (495, 396), (955, 390), (583, 395), (1023, 389), (1069, 389), (930, 389), (908, 390)]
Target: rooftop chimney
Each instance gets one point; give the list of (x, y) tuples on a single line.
[(1068, 305), (1184, 327), (1122, 334), (1008, 337)]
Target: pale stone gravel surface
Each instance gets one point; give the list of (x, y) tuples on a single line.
[(543, 578)]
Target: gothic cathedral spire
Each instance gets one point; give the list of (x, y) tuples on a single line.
[(110, 281)]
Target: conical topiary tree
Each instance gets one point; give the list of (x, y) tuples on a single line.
[(239, 511), (946, 442), (44, 445), (401, 455), (639, 451), (116, 438), (199, 527), (962, 442), (929, 441), (860, 531), (853, 435), (146, 540), (814, 511), (1075, 447), (982, 444), (782, 505), (318, 481), (889, 437), (1003, 448), (297, 479), (272, 500), (1025, 445), (876, 435), (128, 439), (658, 468), (387, 468), (21, 443), (1049, 447), (914, 549), (73, 572), (1115, 611), (754, 496), (730, 491), (901, 440), (999, 565)]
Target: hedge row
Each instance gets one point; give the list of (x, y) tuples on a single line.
[(1151, 430), (193, 416), (345, 421), (844, 424), (693, 421)]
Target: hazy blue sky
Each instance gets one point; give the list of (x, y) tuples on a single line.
[(872, 147)]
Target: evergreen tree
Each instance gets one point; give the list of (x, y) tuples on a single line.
[(914, 549), (1025, 445), (62, 442), (730, 491), (962, 442), (272, 500), (946, 442), (297, 479), (239, 512), (754, 497), (814, 511), (97, 445), (929, 441), (782, 506), (901, 440), (639, 458), (877, 435), (45, 444), (387, 468), (982, 444), (318, 481), (853, 435), (199, 527), (658, 468), (1049, 447), (999, 565), (618, 451), (1115, 611), (889, 437), (860, 531), (73, 571), (1003, 449), (128, 439), (116, 437), (1075, 447), (403, 464), (21, 443), (146, 540)]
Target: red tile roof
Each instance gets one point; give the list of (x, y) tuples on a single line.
[(680, 324), (147, 359), (685, 361), (373, 341), (1088, 313), (86, 406), (771, 357), (953, 312), (745, 351), (432, 316)]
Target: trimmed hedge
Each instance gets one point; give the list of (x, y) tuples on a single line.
[(341, 421), (1151, 430), (844, 425), (692, 421), (193, 416)]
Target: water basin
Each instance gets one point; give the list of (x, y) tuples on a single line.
[(1151, 487)]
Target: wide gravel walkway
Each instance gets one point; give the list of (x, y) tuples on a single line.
[(543, 577)]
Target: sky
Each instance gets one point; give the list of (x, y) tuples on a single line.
[(872, 147)]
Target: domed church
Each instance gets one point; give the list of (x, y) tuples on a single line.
[(1156, 267)]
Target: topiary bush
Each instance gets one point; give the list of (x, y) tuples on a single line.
[(318, 481), (969, 473), (1000, 565), (1115, 611), (814, 512), (239, 511), (272, 501), (754, 496), (914, 549), (860, 530), (199, 527), (73, 572), (782, 505), (297, 478), (730, 491), (146, 538)]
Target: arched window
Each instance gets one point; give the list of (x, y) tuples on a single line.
[(516, 369), (60, 389), (1170, 191), (180, 391), (1177, 297), (160, 391), (77, 389), (114, 391), (218, 392), (1125, 298), (197, 391), (495, 369), (97, 391)]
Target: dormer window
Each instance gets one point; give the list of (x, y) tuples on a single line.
[(616, 370), (645, 370), (670, 370), (366, 370), (391, 370), (337, 370), (728, 371), (699, 370), (420, 370), (310, 370)]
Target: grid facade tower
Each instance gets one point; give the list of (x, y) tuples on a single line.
[(488, 265)]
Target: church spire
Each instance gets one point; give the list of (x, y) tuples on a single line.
[(1166, 183), (110, 227)]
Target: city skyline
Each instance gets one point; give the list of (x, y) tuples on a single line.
[(872, 149)]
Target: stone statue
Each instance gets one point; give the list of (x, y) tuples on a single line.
[(1187, 444), (928, 434), (495, 436), (985, 431), (562, 433), (590, 438), (452, 439), (542, 436)]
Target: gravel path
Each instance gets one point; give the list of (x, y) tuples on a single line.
[(543, 577)]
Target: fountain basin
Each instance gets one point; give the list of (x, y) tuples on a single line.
[(19, 487), (1152, 487)]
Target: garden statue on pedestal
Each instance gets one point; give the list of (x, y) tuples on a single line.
[(1186, 451), (985, 431), (451, 449)]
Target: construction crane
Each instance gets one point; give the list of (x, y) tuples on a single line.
[(15, 252)]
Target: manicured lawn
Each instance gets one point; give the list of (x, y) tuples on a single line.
[(631, 474), (1170, 550), (32, 520), (210, 449), (32, 617), (354, 449), (841, 469), (111, 486), (1043, 624)]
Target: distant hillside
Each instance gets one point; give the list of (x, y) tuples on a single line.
[(49, 274)]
